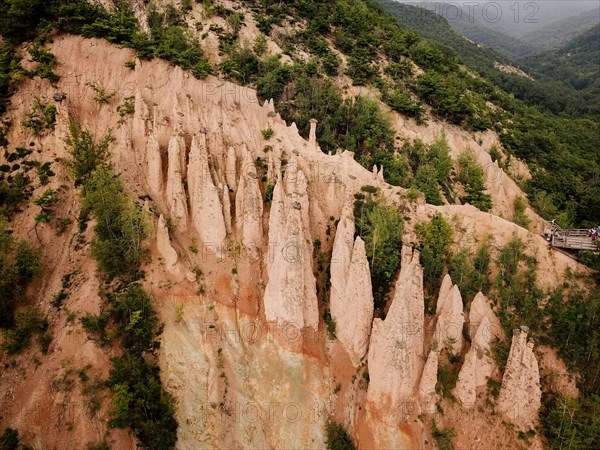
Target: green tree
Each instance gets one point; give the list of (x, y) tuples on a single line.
[(471, 176), (19, 264), (434, 245), (120, 224), (86, 155), (380, 226), (9, 439), (338, 438)]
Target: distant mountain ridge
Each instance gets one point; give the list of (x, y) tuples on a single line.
[(515, 31), (562, 31), (550, 92), (576, 63)]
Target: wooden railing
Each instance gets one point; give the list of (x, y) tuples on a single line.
[(575, 239)]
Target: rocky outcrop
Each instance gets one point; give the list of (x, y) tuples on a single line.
[(175, 195), (206, 209), (290, 295), (450, 318), (396, 347), (166, 251), (353, 311), (154, 176), (520, 393), (480, 310), (230, 168), (341, 255), (312, 136), (226, 207), (351, 297), (141, 113), (478, 366), (249, 206), (428, 396)]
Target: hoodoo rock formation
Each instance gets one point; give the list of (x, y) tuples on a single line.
[(154, 167), (520, 393), (351, 299), (480, 310), (477, 368), (428, 396), (479, 365), (207, 213), (450, 318), (290, 295), (249, 205), (396, 347), (175, 194), (163, 245), (353, 311)]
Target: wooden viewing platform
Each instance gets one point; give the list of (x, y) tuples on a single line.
[(576, 239)]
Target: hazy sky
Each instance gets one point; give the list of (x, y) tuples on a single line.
[(510, 16)]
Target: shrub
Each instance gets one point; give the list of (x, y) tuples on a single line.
[(427, 183), (44, 341), (516, 287), (471, 175), (86, 155), (26, 324), (380, 226), (399, 70), (19, 264), (267, 133), (96, 325), (446, 94), (9, 439), (396, 167), (496, 155), (260, 45), (442, 437), (402, 102), (434, 241), (120, 228), (330, 322), (47, 200), (13, 192), (446, 380), (572, 420), (141, 403), (366, 127), (101, 95), (470, 272), (46, 63), (186, 6), (413, 194), (127, 107), (269, 189), (40, 117), (337, 437), (519, 217), (431, 165), (136, 320)]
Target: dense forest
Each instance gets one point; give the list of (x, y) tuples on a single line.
[(576, 63), (562, 31), (554, 127)]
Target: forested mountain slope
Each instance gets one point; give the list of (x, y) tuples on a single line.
[(551, 108), (575, 63), (558, 33)]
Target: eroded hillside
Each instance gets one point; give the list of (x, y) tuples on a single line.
[(246, 216)]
